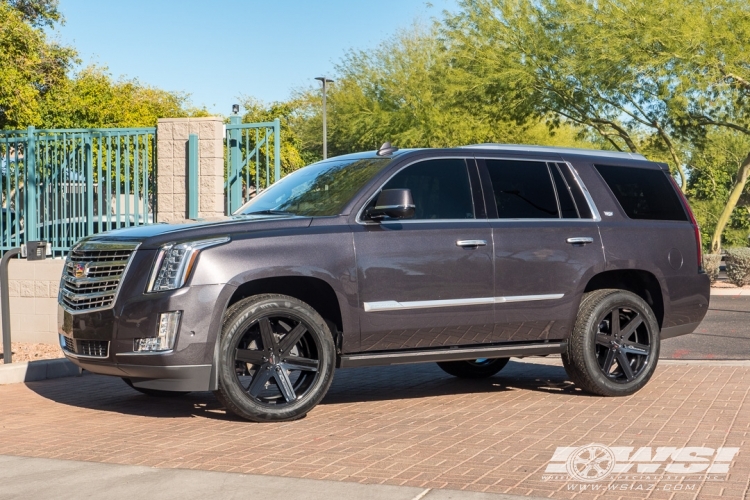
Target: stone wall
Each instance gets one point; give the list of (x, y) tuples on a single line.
[(172, 138), (33, 287)]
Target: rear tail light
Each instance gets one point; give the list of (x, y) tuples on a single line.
[(694, 222)]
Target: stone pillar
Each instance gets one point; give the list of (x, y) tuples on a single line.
[(172, 167)]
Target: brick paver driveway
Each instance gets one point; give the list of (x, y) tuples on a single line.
[(410, 425)]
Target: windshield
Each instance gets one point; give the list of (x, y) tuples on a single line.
[(317, 190)]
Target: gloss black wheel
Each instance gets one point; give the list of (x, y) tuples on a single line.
[(474, 368), (277, 358), (614, 346)]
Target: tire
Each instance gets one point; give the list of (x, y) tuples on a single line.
[(276, 358), (155, 392), (612, 358), (480, 368)]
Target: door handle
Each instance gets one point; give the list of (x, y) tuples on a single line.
[(584, 240), (471, 243)]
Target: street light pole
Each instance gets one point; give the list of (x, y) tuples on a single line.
[(324, 81)]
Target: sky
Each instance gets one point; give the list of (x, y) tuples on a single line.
[(219, 51)]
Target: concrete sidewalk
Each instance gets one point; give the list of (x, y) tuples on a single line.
[(43, 479)]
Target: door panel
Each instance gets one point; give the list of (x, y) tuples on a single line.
[(428, 281), (543, 273), (544, 253), (417, 284)]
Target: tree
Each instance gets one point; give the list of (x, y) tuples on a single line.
[(92, 99), (654, 76), (30, 66), (713, 168), (586, 62)]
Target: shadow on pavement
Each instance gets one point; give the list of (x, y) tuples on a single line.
[(351, 385)]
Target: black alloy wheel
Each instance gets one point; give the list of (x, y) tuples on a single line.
[(276, 361), (614, 346), (623, 344), (277, 358)]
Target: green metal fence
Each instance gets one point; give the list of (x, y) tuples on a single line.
[(62, 185), (251, 148)]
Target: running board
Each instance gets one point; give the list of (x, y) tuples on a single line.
[(458, 354)]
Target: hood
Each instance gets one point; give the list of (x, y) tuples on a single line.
[(155, 235)]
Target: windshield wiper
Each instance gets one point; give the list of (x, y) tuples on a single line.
[(269, 212)]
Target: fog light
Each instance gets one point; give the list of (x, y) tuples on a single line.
[(169, 323)]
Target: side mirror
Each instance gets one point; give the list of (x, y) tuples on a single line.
[(394, 204)]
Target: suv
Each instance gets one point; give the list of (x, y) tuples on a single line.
[(465, 256)]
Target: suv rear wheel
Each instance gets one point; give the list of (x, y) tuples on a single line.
[(475, 368), (614, 346), (276, 358)]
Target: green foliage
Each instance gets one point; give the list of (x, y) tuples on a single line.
[(405, 91), (30, 65), (92, 99), (713, 169), (37, 13), (738, 265), (588, 62), (711, 264)]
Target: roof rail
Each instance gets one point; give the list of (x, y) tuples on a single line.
[(552, 149)]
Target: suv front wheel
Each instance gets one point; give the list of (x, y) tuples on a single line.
[(276, 358), (614, 346)]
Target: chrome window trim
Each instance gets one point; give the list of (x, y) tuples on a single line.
[(100, 246), (394, 305), (361, 222), (586, 194)]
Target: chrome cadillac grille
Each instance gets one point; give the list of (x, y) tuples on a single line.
[(92, 275)]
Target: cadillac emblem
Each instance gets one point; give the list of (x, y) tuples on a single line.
[(79, 270)]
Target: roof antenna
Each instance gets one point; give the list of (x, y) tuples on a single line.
[(387, 149)]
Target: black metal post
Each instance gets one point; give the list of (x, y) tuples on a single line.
[(7, 355)]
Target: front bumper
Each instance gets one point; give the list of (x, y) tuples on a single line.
[(102, 341)]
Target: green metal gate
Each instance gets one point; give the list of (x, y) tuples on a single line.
[(63, 185), (248, 160)]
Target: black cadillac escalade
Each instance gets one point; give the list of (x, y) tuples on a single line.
[(465, 256)]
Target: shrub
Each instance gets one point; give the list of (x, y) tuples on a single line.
[(711, 263), (738, 266)]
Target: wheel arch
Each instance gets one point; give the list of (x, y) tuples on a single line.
[(316, 292), (642, 283)]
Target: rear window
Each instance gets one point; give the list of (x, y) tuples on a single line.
[(643, 193)]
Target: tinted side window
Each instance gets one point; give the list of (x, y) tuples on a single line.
[(522, 189), (567, 205), (643, 193), (440, 189)]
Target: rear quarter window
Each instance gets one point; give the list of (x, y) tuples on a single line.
[(643, 193)]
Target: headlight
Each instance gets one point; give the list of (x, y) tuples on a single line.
[(175, 262)]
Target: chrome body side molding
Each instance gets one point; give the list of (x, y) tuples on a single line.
[(392, 305)]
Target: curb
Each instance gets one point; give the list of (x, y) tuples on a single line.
[(731, 291), (29, 371)]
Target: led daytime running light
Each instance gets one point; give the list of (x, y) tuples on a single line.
[(175, 262)]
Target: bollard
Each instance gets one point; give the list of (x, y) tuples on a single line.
[(7, 355)]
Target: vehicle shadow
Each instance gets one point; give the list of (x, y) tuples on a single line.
[(351, 385)]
